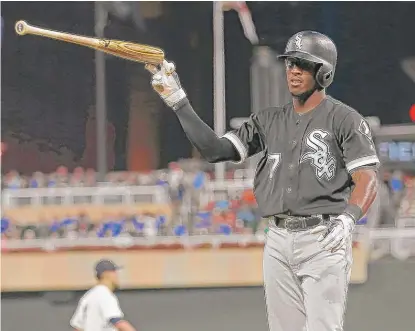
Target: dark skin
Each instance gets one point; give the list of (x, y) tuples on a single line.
[(300, 79), (365, 190)]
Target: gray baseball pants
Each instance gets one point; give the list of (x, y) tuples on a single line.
[(305, 286)]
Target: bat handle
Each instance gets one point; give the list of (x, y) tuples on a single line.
[(151, 68), (21, 28), (168, 67)]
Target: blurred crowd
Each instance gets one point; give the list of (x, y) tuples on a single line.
[(194, 210), (218, 217), (81, 226), (397, 196), (235, 213), (79, 178)]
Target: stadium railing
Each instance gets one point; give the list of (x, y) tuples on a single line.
[(83, 195)]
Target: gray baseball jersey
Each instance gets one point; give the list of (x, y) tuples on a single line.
[(308, 159)]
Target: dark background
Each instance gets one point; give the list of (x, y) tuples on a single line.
[(47, 86)]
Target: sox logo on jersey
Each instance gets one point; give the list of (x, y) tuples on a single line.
[(321, 158)]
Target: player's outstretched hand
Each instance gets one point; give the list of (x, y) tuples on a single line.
[(166, 83), (336, 233)]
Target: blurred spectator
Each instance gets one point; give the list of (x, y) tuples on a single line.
[(54, 228), (131, 179), (83, 225), (90, 179), (52, 180), (150, 228), (203, 223), (106, 226), (246, 214), (77, 177), (62, 176), (132, 227), (13, 180), (248, 197), (37, 180), (8, 229), (29, 232)]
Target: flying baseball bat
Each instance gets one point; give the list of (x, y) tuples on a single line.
[(127, 50)]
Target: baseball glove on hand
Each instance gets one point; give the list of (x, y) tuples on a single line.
[(336, 233), (166, 83)]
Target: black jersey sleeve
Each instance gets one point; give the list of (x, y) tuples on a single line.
[(212, 148), (357, 142), (248, 139)]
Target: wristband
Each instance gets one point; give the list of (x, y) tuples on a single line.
[(115, 320), (180, 104), (354, 211), (175, 97)]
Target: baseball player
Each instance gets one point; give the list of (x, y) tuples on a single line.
[(317, 177), (98, 309)]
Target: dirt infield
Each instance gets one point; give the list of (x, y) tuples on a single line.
[(384, 303)]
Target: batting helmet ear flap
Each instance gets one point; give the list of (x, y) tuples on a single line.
[(325, 75)]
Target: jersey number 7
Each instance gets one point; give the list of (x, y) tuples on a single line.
[(275, 160)]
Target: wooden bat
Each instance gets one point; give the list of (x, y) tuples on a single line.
[(127, 50)]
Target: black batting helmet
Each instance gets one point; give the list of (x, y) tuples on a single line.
[(314, 47)]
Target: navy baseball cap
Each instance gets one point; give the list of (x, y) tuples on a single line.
[(105, 265)]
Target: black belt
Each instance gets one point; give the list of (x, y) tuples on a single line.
[(299, 223)]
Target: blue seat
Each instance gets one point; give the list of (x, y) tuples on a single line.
[(223, 204), (225, 229), (204, 220), (247, 216), (180, 230), (5, 223), (396, 185), (199, 180)]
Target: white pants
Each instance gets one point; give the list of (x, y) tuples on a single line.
[(305, 286)]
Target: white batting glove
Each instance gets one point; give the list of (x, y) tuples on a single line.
[(336, 233), (165, 82)]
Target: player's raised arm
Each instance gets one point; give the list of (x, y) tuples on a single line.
[(233, 146)]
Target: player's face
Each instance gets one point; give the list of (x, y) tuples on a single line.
[(114, 280), (300, 75)]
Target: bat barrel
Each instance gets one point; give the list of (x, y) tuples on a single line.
[(127, 50)]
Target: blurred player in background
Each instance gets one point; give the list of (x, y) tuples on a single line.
[(98, 309)]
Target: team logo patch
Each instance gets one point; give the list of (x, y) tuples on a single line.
[(320, 158), (364, 129), (298, 41)]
